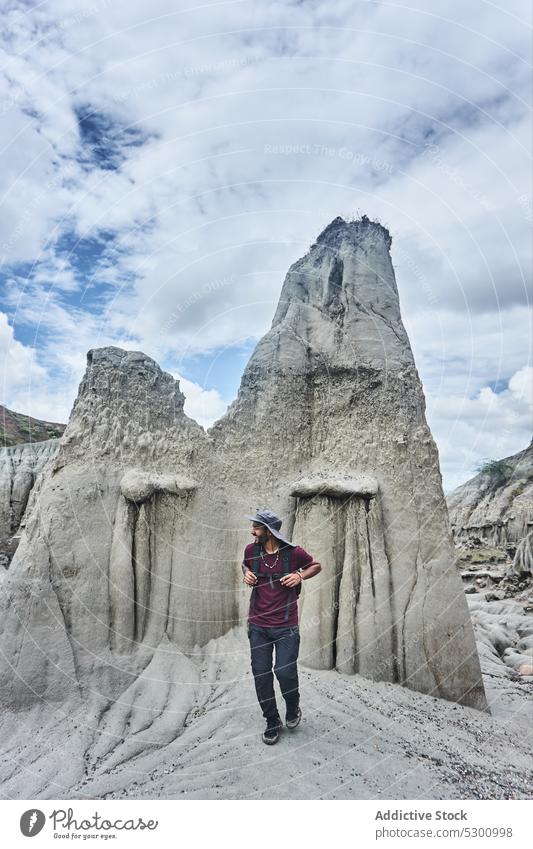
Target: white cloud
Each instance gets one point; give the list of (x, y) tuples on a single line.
[(417, 116), (490, 425), (203, 405), (458, 353), (521, 386), (17, 361)]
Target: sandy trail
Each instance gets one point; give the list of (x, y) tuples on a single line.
[(358, 740)]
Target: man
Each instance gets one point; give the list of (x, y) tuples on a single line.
[(275, 569)]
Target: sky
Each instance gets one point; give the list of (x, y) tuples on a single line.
[(163, 163)]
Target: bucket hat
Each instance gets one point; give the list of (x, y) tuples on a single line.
[(272, 522)]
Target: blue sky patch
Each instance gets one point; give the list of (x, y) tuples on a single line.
[(105, 141), (221, 370)]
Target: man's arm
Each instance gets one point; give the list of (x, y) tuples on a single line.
[(295, 578), (310, 571), (248, 576)]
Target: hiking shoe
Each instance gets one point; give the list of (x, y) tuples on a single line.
[(271, 732), (293, 719)]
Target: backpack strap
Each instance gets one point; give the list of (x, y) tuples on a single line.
[(286, 558), (256, 562), (256, 558)]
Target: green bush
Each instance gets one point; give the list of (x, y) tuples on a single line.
[(497, 470)]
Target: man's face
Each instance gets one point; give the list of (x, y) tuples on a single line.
[(259, 532)]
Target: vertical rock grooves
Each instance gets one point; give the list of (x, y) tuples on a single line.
[(339, 562), (143, 563), (134, 569), (349, 602), (122, 577), (140, 570), (366, 502)]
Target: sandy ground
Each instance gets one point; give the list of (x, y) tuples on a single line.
[(357, 740)]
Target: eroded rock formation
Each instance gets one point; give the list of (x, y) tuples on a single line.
[(332, 391), (20, 466), (523, 559), (496, 506), (132, 549)]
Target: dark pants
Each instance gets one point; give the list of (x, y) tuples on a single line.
[(286, 640)]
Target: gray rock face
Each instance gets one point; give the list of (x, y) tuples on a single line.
[(523, 559), (497, 509), (331, 392), (19, 467), (131, 552), (115, 546)]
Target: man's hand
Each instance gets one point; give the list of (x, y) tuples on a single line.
[(291, 580), (249, 578)]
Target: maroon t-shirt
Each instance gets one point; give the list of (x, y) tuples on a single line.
[(268, 603)]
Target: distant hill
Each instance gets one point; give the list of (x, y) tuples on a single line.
[(497, 504), (16, 428)]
